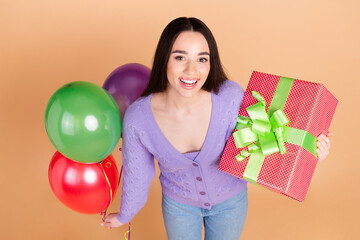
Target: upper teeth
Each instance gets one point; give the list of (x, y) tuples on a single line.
[(188, 81)]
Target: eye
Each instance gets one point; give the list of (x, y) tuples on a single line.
[(180, 58), (203, 59)]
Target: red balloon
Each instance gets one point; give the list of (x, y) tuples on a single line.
[(87, 188)]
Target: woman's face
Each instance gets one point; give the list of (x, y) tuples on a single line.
[(189, 64)]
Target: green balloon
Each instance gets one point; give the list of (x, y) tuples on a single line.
[(83, 122)]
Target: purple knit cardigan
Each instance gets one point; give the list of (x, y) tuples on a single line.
[(192, 178)]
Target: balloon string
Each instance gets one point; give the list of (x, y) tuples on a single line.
[(128, 232), (120, 175), (108, 182), (121, 170), (129, 224), (104, 214)]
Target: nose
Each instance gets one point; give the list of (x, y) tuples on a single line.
[(190, 67)]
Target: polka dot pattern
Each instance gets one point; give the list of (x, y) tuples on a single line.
[(309, 106)]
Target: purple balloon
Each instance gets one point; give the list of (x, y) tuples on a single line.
[(126, 84)]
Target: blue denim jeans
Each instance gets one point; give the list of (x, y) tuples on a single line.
[(223, 221)]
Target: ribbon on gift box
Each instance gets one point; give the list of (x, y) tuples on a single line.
[(267, 130), (264, 133)]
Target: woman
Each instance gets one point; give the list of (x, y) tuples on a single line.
[(184, 119)]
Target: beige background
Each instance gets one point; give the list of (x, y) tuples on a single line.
[(45, 44)]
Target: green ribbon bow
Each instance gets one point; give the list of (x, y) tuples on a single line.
[(268, 130)]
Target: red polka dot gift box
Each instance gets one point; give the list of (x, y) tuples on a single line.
[(274, 142)]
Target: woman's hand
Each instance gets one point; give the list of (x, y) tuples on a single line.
[(111, 221), (323, 145)]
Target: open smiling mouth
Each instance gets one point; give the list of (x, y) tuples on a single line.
[(188, 83)]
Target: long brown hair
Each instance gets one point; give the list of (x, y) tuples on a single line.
[(158, 78)]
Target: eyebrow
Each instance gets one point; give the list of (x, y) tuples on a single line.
[(184, 52)]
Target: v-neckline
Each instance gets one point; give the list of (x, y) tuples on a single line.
[(210, 132)]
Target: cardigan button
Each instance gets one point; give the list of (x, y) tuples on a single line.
[(202, 193), (207, 204), (199, 179), (195, 164)]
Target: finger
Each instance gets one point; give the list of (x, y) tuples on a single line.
[(321, 137), (327, 142), (325, 139), (106, 225), (319, 153), (324, 151), (107, 218), (321, 144), (324, 142), (330, 134), (324, 147)]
